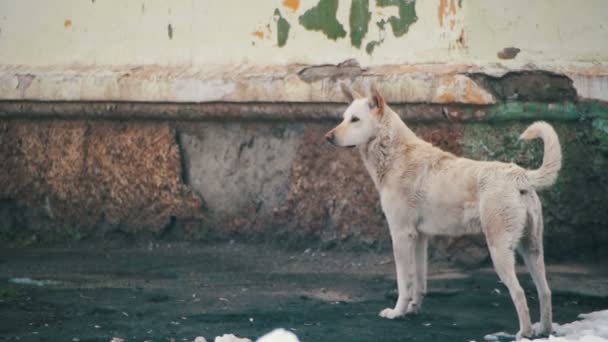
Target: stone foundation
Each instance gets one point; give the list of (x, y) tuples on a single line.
[(74, 179)]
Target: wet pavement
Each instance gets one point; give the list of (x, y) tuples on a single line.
[(177, 291)]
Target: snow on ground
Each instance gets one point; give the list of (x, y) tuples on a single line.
[(592, 327), (277, 335)]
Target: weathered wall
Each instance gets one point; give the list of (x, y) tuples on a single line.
[(199, 119), (190, 32), (276, 180)]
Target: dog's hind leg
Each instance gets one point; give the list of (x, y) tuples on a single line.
[(421, 266), (503, 224), (504, 264), (531, 250)]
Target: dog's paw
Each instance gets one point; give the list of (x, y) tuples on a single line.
[(541, 331), (524, 334), (412, 308), (391, 313)]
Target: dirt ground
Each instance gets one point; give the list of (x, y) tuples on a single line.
[(177, 291)]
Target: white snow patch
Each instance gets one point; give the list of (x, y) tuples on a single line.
[(279, 335), (499, 336), (230, 338), (30, 281), (592, 327)]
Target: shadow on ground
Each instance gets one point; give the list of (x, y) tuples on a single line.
[(180, 291)]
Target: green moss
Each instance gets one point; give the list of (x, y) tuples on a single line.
[(535, 111), (323, 18), (596, 109), (575, 205), (359, 21), (600, 132), (9, 292), (407, 15), (283, 28)]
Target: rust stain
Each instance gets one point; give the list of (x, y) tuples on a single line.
[(446, 10), (447, 98), (472, 94), (292, 4), (453, 7), (441, 11), (67, 23), (259, 34)]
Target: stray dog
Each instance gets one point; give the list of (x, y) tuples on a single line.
[(426, 191)]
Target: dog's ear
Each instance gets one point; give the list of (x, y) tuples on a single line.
[(376, 101), (349, 93)]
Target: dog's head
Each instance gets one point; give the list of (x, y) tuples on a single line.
[(360, 120)]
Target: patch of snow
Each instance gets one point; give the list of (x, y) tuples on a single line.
[(230, 338), (499, 336), (200, 339), (592, 327), (279, 335), (30, 281)]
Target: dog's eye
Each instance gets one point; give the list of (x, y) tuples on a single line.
[(354, 119)]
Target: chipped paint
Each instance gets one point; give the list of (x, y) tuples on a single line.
[(259, 34), (488, 28), (170, 31), (283, 28), (369, 48), (462, 89), (508, 53), (407, 15), (359, 21), (322, 18), (293, 5), (446, 12)]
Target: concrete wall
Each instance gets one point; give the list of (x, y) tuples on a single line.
[(202, 119)]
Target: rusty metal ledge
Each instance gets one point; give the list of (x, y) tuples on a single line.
[(214, 111), (222, 111)]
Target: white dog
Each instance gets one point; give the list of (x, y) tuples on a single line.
[(425, 191)]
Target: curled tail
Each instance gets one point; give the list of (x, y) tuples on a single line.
[(546, 175)]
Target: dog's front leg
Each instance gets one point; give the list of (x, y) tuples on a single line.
[(404, 250)]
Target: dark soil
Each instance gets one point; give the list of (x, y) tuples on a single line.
[(180, 291)]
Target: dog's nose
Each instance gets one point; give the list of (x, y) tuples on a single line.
[(329, 136)]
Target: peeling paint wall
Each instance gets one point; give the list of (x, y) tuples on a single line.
[(375, 32)]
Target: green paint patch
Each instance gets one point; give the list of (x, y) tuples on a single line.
[(283, 28), (369, 48), (323, 18), (359, 21), (407, 15)]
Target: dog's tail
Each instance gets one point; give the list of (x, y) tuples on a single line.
[(546, 175)]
